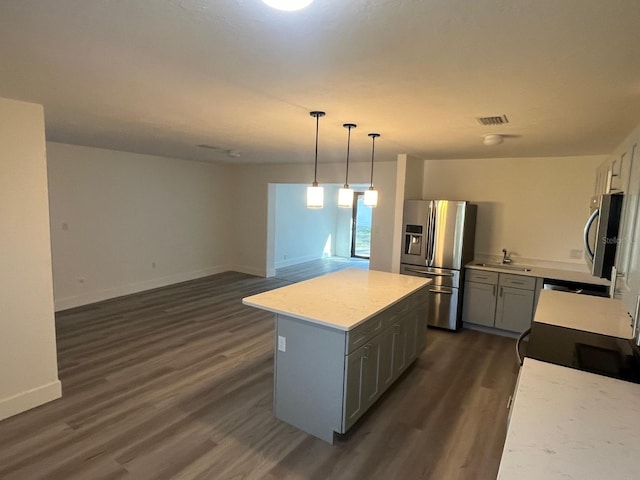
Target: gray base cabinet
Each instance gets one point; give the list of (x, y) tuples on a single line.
[(326, 378), (514, 309), (501, 300)]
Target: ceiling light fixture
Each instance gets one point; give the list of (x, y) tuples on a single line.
[(493, 139), (315, 194), (345, 194), (288, 5), (371, 195)]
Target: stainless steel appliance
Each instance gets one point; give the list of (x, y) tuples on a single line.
[(437, 241), (601, 234)]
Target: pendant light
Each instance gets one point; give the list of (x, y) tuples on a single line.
[(371, 195), (288, 5), (315, 194), (345, 194)]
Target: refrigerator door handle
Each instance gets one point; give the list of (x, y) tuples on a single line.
[(433, 210), (587, 228), (447, 292), (426, 272), (429, 235)]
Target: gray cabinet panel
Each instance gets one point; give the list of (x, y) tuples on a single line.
[(514, 309), (354, 395), (386, 358), (411, 338), (399, 346), (482, 276), (309, 376), (507, 304), (479, 305), (371, 378)]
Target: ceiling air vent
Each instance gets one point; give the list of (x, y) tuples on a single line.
[(501, 120), (210, 147)]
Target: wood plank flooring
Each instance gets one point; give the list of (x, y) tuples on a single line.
[(307, 270), (176, 383)]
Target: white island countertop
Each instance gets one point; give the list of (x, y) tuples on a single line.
[(341, 300), (605, 316), (568, 424)]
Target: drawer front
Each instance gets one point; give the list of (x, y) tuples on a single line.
[(363, 333), (482, 276), (517, 281), (394, 314)]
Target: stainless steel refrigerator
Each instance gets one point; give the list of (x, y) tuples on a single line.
[(437, 242)]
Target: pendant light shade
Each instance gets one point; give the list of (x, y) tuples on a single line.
[(345, 194), (315, 194), (371, 195), (288, 5)]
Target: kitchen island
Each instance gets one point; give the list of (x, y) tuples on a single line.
[(341, 340)]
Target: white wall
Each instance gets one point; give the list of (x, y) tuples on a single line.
[(533, 207), (114, 214), (253, 235), (303, 234), (28, 365), (409, 178)]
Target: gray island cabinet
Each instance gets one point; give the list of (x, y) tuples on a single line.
[(341, 340)]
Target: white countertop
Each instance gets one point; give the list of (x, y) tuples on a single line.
[(568, 424), (545, 272), (605, 316), (340, 300)]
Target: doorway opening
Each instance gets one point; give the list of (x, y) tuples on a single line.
[(360, 227)]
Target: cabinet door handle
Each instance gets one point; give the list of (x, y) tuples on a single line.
[(494, 290), (501, 290), (509, 402), (517, 283), (366, 351)]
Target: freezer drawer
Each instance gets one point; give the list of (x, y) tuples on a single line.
[(443, 307)]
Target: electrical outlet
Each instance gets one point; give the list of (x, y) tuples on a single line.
[(65, 226), (575, 254), (282, 343)]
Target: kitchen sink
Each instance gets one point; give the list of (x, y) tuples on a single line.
[(501, 266)]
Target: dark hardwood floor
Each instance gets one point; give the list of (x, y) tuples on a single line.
[(176, 383), (307, 270)]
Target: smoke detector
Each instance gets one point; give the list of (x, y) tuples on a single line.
[(493, 139)]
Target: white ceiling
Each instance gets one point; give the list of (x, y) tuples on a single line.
[(161, 76)]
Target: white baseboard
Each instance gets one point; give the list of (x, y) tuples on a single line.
[(119, 291), (295, 261), (29, 399)]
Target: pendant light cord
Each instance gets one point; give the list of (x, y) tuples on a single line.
[(346, 178), (373, 149), (317, 114), (315, 167), (348, 126)]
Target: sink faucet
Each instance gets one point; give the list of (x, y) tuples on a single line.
[(505, 258)]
